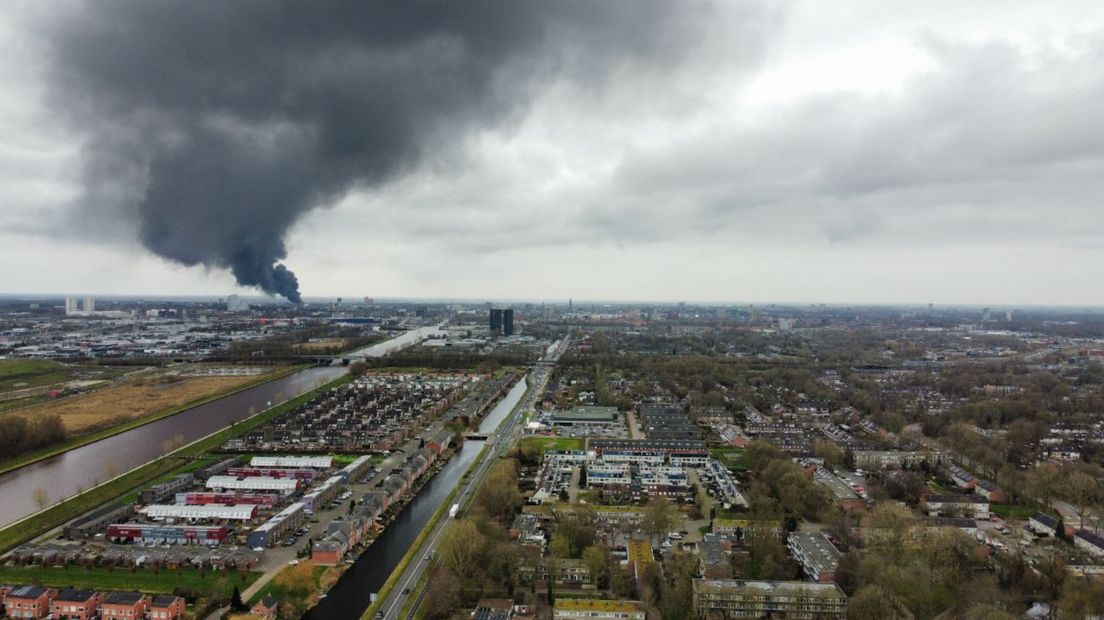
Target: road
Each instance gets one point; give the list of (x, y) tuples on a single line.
[(497, 444)]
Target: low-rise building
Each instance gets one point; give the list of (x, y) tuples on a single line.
[(1043, 524), (314, 462), (793, 600), (167, 607), (1090, 542), (76, 604), (956, 506), (990, 491), (204, 512), (125, 606), (594, 609), (95, 522), (817, 556), (29, 602)]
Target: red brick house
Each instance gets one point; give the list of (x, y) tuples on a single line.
[(76, 604), (265, 608), (125, 606), (167, 607), (29, 602)]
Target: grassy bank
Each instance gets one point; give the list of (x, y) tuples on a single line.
[(145, 580), (83, 440), (54, 516)]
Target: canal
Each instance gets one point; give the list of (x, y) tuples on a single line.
[(65, 475), (353, 592)]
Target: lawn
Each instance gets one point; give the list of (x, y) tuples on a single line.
[(1017, 512), (735, 458), (145, 580), (545, 444)]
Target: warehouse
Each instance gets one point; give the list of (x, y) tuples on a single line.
[(283, 486), (278, 526), (264, 500), (168, 534), (206, 512), (273, 472), (316, 462)]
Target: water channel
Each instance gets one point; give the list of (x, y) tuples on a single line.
[(65, 475), (352, 594)]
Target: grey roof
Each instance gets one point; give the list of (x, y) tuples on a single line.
[(123, 598), (1045, 519)]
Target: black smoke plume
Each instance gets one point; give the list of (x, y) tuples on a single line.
[(214, 126)]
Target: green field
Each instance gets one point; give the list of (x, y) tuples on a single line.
[(1017, 512), (735, 458), (19, 374), (145, 580), (545, 444)]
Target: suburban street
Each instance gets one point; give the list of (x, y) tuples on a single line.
[(497, 444)]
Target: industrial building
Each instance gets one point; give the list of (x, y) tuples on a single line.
[(168, 534), (315, 462), (264, 500), (205, 512), (301, 473), (283, 486), (279, 526)]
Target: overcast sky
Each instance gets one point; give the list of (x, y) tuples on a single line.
[(801, 151)]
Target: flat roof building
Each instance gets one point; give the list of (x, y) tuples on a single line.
[(794, 600), (316, 462), (203, 512), (595, 609), (283, 486), (817, 556)]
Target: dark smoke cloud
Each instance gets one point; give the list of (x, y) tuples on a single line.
[(214, 126)]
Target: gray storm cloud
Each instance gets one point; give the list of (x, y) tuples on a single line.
[(213, 127)]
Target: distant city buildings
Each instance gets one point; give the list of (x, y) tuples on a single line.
[(502, 321), (73, 306)]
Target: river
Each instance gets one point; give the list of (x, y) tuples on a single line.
[(65, 475), (394, 344)]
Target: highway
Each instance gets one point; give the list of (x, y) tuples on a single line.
[(497, 444)]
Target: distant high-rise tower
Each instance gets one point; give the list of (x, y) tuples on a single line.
[(502, 321), (89, 304), (985, 315), (1008, 316), (496, 320), (71, 306), (931, 308)]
